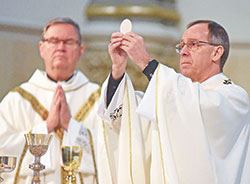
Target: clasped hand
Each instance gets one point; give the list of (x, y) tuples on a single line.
[(59, 114)]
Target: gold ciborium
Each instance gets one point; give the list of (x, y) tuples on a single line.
[(71, 158), (7, 164), (38, 146)]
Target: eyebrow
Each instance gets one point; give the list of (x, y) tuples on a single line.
[(60, 38), (195, 39)]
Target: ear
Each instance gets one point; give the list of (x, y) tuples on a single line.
[(41, 48), (82, 49), (218, 52)]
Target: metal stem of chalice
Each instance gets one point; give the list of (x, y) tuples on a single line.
[(38, 146), (71, 158), (7, 164)]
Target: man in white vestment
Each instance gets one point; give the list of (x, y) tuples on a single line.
[(60, 101), (199, 119)]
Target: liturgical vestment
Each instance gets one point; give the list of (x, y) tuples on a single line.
[(124, 138), (25, 109), (200, 131)]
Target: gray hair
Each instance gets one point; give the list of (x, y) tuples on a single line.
[(217, 35), (63, 21)]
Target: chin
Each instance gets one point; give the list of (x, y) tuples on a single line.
[(186, 73), (60, 67)]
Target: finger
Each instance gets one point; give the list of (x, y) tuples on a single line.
[(59, 88), (55, 107), (129, 38), (114, 46), (56, 94), (132, 37), (116, 40), (64, 100), (58, 97), (117, 35), (63, 107), (124, 48), (64, 114), (126, 43)]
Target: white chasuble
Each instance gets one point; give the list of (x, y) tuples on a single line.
[(18, 117), (124, 138), (201, 133)]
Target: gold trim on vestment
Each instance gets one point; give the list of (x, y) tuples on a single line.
[(93, 154), (85, 109), (157, 123), (43, 112), (107, 151), (36, 105), (20, 162), (59, 132), (81, 178), (130, 143)]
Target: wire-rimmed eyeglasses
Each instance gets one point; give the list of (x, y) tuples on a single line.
[(192, 45), (67, 42)]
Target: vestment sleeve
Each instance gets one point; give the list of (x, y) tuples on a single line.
[(222, 110)]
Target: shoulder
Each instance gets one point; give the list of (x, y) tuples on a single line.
[(84, 81), (13, 96), (93, 85), (234, 91)]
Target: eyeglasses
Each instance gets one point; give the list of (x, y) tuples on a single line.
[(192, 45), (55, 42)]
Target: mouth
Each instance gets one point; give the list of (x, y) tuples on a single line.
[(59, 56), (185, 63)]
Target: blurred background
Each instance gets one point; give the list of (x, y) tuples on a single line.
[(160, 22)]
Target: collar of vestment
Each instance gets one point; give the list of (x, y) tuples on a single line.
[(215, 81), (61, 81), (41, 80)]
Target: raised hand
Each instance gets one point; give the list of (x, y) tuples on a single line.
[(118, 56), (134, 46)]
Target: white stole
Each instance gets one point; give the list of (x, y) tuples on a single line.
[(130, 162)]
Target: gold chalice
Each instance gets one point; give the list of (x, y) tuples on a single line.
[(38, 146), (7, 164), (71, 158)]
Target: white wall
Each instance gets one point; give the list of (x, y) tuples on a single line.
[(36, 13), (233, 15)]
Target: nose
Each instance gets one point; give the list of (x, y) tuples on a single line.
[(61, 45), (184, 50)]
